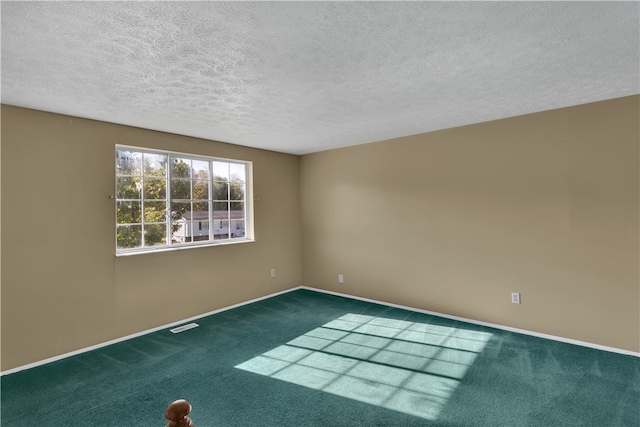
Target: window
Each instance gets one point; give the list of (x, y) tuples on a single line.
[(168, 200)]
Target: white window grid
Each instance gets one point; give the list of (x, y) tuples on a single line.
[(168, 200)]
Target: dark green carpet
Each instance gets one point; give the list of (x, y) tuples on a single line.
[(309, 359)]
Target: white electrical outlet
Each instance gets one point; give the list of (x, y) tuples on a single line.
[(273, 272), (515, 297), (340, 278)]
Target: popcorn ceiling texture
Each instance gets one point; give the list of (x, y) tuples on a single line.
[(310, 76)]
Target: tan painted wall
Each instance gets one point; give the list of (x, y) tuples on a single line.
[(451, 221), (454, 221), (62, 287)]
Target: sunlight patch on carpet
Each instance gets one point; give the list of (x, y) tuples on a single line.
[(404, 366)]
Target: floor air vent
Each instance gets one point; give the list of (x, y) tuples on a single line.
[(184, 328)]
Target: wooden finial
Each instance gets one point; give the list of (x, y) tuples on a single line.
[(177, 414)]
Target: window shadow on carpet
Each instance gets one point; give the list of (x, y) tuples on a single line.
[(404, 366)]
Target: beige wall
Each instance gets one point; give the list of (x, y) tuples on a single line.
[(454, 221), (62, 287)]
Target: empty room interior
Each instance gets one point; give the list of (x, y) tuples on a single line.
[(365, 213)]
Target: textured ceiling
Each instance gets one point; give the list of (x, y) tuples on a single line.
[(310, 76)]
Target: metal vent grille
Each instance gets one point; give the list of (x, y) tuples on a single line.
[(184, 328)]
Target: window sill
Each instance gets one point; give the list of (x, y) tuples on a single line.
[(180, 248)]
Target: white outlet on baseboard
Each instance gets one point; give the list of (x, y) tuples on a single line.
[(515, 297), (340, 278), (273, 272)]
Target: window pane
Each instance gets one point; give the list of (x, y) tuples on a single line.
[(201, 190), (129, 236), (155, 212), (180, 168), (199, 215), (237, 210), (180, 210), (128, 212), (181, 231), (201, 169), (128, 162), (221, 171), (237, 228), (128, 188), (180, 189), (200, 231), (220, 191), (155, 188), (155, 234), (220, 230), (201, 210), (155, 164), (237, 191), (238, 171), (220, 210)]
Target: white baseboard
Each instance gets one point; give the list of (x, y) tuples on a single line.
[(478, 322), (220, 310), (138, 334)]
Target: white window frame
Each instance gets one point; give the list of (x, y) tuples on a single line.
[(170, 245)]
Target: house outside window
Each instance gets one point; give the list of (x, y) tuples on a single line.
[(167, 200)]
